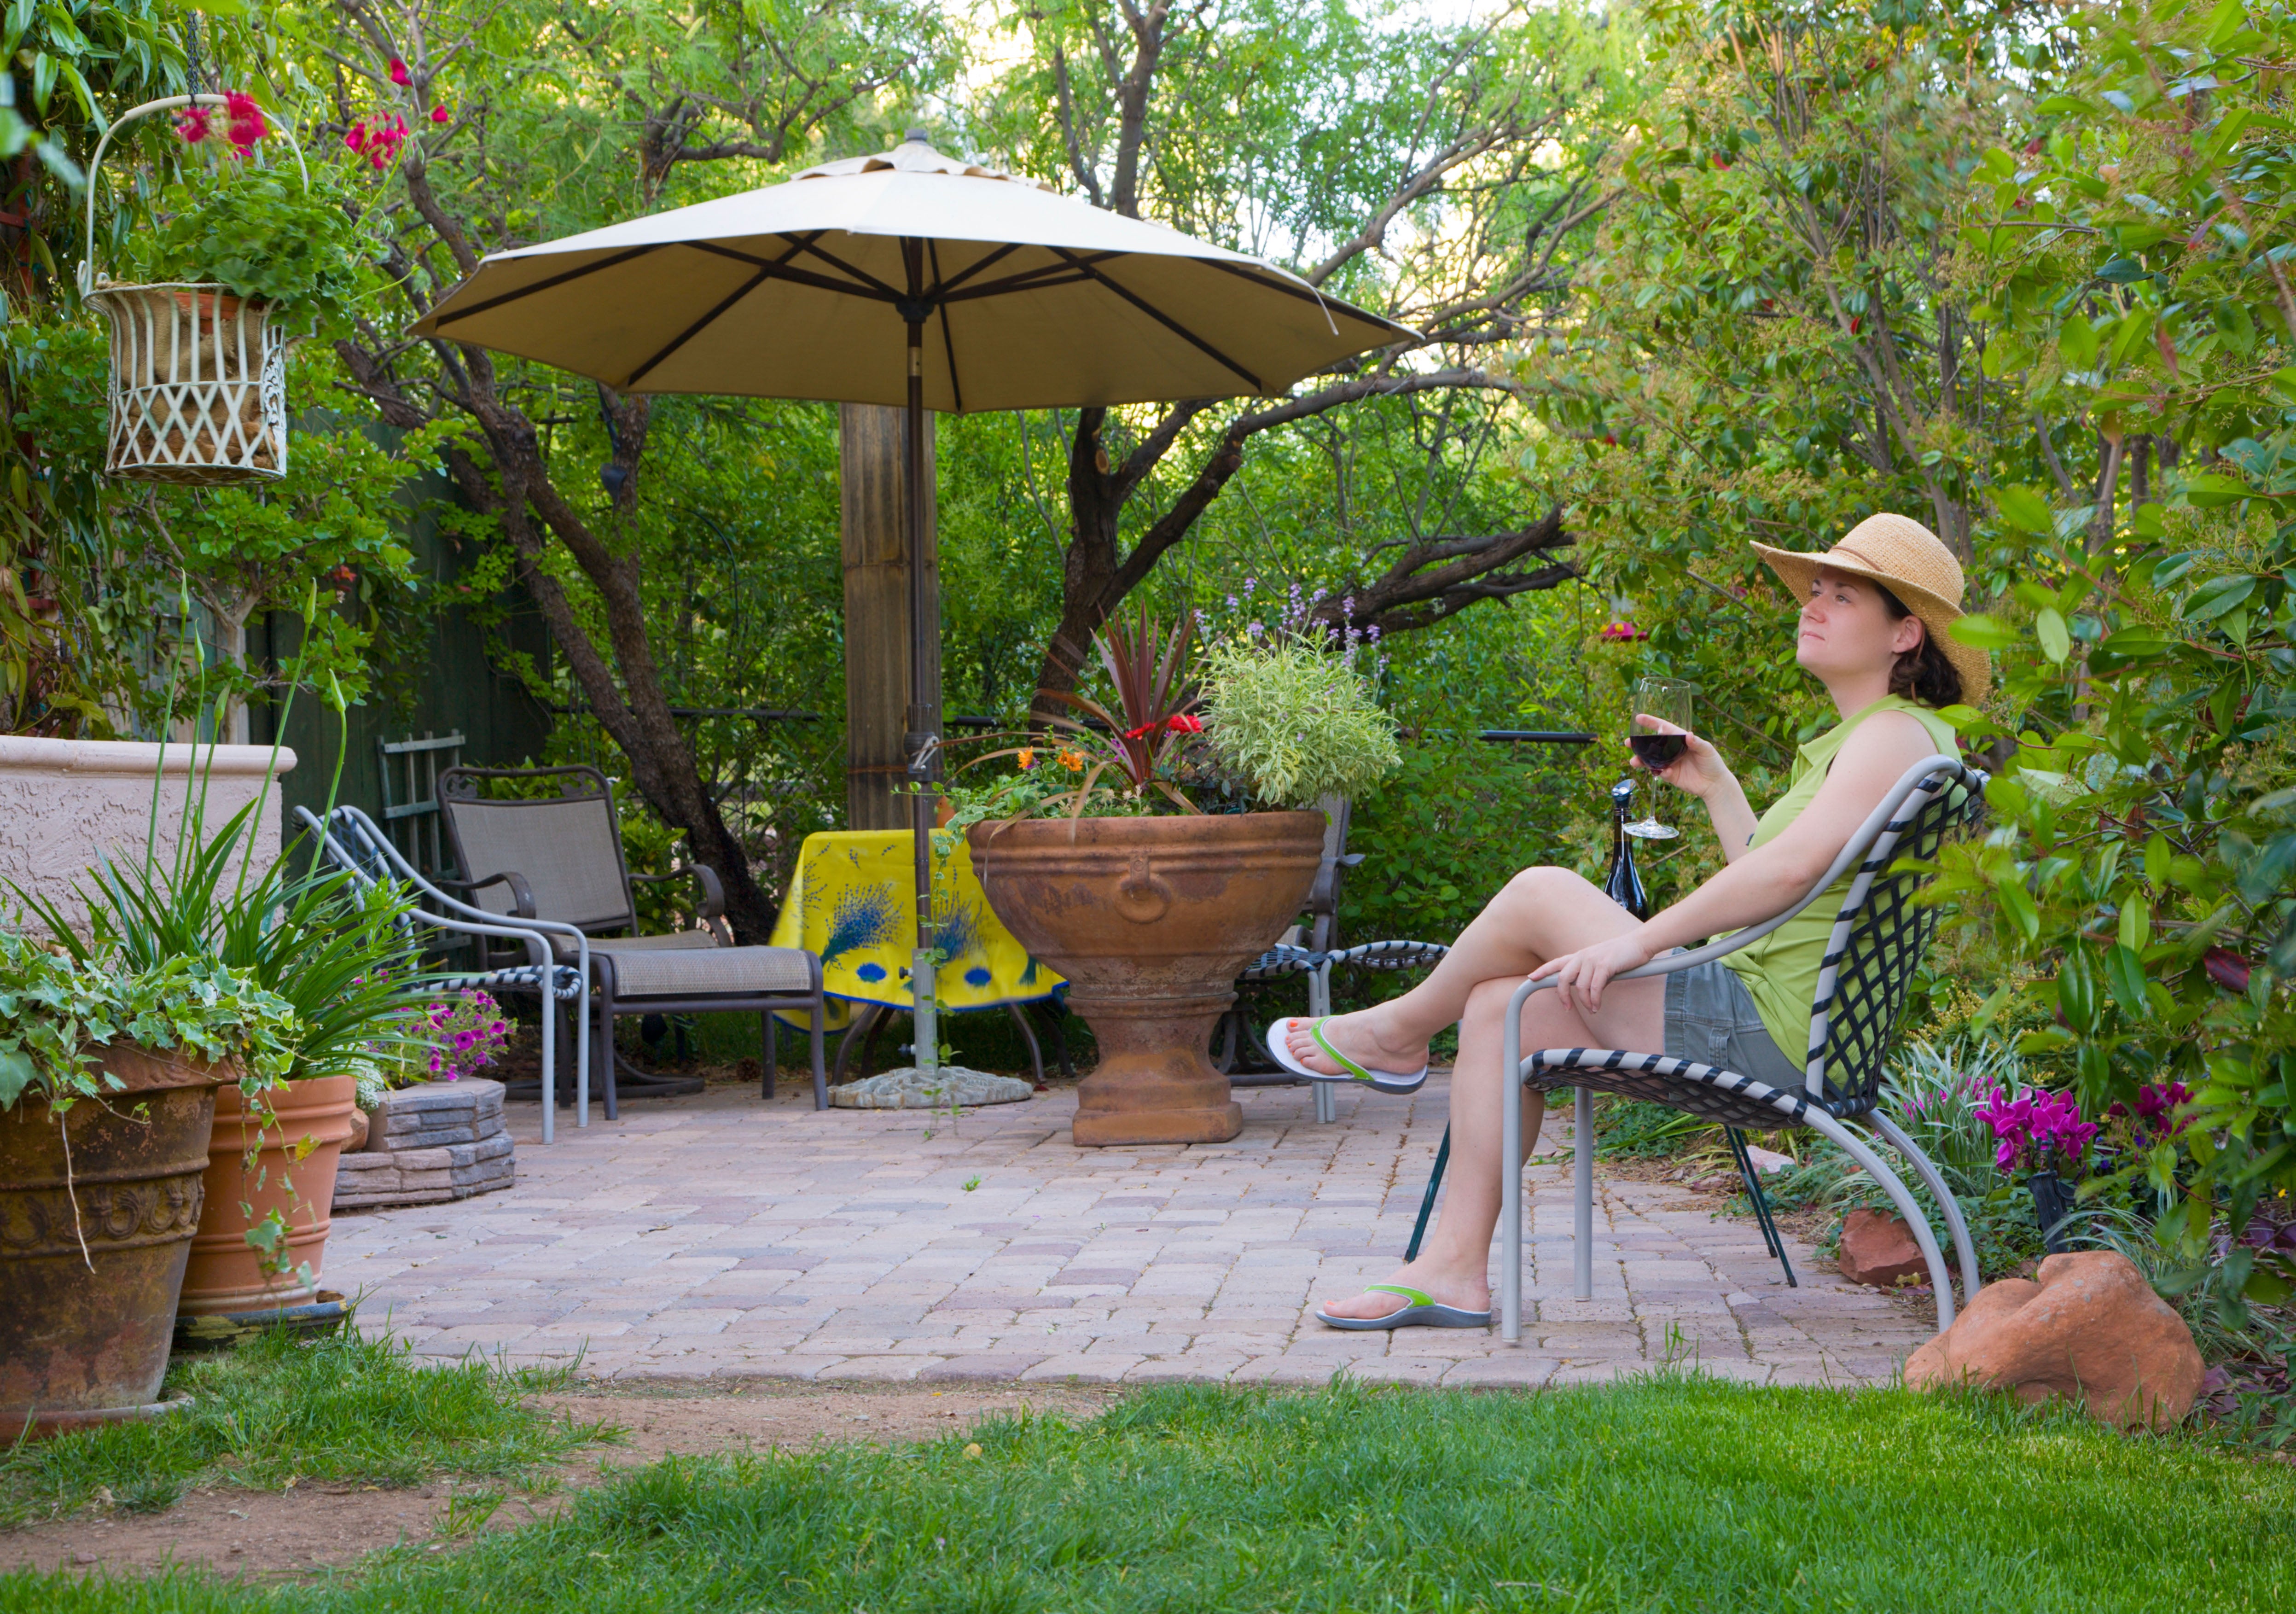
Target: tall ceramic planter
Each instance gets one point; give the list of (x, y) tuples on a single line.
[(1150, 920), (96, 1220), (226, 1277)]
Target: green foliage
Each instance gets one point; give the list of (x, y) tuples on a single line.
[(281, 1410), (262, 232), (54, 1007), (1668, 1492), (1293, 721), (2146, 866), (1455, 821)]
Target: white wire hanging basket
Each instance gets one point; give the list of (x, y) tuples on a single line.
[(198, 384)]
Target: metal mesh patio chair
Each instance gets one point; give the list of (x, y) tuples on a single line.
[(560, 858), (1238, 1039), (355, 843), (1879, 935)]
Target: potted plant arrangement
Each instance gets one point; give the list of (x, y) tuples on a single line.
[(1156, 846), (2042, 1134), (249, 258), (108, 1076)]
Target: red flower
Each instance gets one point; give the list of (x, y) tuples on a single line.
[(355, 138), (439, 114), (247, 124), (1857, 322), (1187, 722), (192, 125), (398, 71)]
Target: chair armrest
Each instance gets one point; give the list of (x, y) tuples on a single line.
[(522, 895), (713, 892)]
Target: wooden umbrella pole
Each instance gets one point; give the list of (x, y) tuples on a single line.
[(924, 704)]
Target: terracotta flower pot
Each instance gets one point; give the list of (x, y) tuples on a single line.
[(1151, 919), (227, 1275), (83, 1333)]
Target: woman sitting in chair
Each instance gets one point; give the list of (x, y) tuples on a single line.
[(1874, 611)]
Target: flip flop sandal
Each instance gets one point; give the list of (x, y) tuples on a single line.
[(1279, 1035), (1423, 1311)]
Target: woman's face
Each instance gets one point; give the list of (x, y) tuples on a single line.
[(1846, 630)]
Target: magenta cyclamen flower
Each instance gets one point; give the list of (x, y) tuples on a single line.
[(398, 74)]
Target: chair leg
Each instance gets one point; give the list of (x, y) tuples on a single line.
[(1582, 1172), (772, 1053), (549, 1059), (814, 1034), (1964, 1250), (1056, 1022), (603, 1002), (1761, 1202), (1902, 1196), (1427, 1204), (1319, 1005), (1028, 1035)]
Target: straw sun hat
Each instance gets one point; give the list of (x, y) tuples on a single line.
[(1904, 558)]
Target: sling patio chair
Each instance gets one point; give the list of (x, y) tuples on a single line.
[(559, 856), (1879, 935), (356, 844)]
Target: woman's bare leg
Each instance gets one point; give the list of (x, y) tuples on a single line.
[(1453, 1263), (1540, 914)]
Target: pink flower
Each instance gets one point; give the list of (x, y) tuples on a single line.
[(439, 114), (247, 124), (192, 124), (398, 71), (355, 136)]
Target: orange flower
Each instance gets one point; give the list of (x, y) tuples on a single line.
[(1027, 758), (1073, 760)]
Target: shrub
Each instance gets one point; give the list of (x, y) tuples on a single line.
[(1294, 722)]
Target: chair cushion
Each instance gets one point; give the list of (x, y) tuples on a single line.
[(718, 971), (672, 941)]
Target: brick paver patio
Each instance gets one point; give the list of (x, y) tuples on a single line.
[(722, 1237)]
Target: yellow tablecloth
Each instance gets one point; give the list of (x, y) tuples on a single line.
[(853, 900)]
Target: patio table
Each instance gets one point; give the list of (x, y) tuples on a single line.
[(852, 901)]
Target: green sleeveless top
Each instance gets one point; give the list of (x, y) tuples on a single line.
[(1781, 970)]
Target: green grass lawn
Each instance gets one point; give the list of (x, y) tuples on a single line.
[(1668, 1492), (276, 1410)]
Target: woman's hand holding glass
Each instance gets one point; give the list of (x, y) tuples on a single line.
[(1697, 770)]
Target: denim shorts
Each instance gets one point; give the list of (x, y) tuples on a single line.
[(1710, 1018)]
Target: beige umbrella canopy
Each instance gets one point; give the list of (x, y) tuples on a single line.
[(809, 289), (907, 278)]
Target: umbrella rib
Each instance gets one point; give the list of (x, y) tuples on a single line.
[(1031, 280), (695, 329), (780, 269), (862, 275), (944, 287), (1162, 319), (765, 272), (543, 284), (947, 338)]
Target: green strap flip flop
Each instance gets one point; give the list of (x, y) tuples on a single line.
[(1423, 1311), (1279, 1036)]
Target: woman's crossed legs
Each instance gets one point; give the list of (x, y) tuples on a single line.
[(1540, 914)]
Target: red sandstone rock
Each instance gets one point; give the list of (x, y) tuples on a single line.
[(2091, 1329), (1877, 1248)]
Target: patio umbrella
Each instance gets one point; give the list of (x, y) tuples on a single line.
[(907, 278)]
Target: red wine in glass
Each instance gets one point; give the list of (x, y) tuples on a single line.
[(1658, 750)]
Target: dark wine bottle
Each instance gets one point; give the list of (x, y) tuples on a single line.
[(1623, 885)]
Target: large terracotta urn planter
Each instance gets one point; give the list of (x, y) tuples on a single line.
[(1151, 919), (226, 1276), (96, 1220)]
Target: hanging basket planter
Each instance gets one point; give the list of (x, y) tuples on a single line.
[(198, 385), (198, 389)]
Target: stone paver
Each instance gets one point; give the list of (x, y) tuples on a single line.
[(722, 1237)]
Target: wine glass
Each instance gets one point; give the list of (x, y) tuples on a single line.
[(1655, 731)]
